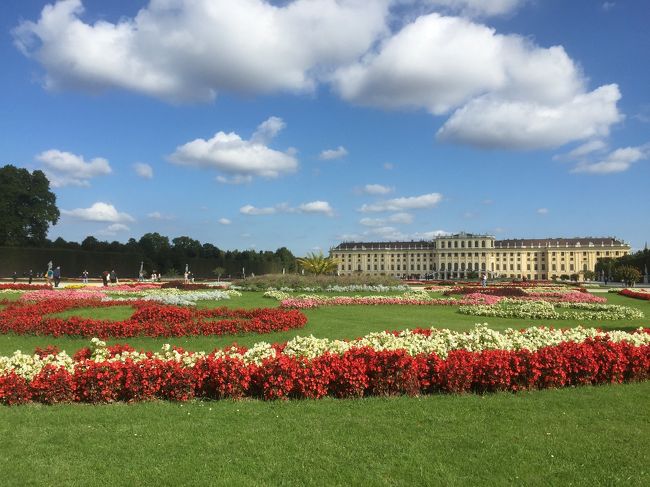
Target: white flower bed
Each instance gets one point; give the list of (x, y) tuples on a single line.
[(513, 308), (175, 296)]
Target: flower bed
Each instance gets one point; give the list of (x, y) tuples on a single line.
[(305, 302), (165, 296), (302, 369), (636, 293), (516, 308), (149, 319), (23, 287)]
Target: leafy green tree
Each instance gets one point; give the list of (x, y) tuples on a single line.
[(606, 266), (627, 274), (218, 271), (318, 263), (589, 275), (27, 207)]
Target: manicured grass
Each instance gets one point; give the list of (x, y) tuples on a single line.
[(585, 436), (115, 313), (327, 322)]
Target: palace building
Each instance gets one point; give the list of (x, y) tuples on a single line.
[(465, 255)]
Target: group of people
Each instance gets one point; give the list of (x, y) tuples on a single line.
[(109, 276), (53, 275), (189, 277)]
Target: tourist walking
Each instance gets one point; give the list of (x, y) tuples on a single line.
[(105, 278), (30, 276), (84, 276), (14, 277), (57, 276), (113, 277)]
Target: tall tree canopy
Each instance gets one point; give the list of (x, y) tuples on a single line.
[(27, 206)]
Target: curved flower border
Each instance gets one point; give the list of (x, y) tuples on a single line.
[(149, 319)]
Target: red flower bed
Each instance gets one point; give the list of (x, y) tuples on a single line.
[(357, 372), (24, 287), (635, 294), (149, 319)]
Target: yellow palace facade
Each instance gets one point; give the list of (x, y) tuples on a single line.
[(464, 254)]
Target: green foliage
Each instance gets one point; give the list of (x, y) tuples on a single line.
[(298, 281), (218, 271), (627, 274), (27, 206), (317, 263), (589, 275)]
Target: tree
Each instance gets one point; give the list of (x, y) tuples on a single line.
[(219, 271), (318, 263), (606, 266), (589, 275), (27, 207), (627, 274)]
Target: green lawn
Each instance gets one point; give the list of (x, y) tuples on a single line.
[(586, 436), (580, 436)]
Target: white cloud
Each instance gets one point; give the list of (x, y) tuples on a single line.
[(388, 166), (224, 221), (238, 179), (188, 50), (143, 170), (377, 189), (607, 6), (587, 148), (99, 212), (542, 211), (616, 161), (156, 215), (506, 91), (268, 130), (399, 218), (409, 203), (330, 154), (64, 168), (240, 158), (316, 207), (114, 229), (494, 123), (476, 8), (252, 210)]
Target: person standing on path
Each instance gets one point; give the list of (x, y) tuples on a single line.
[(84, 276), (30, 276), (57, 276)]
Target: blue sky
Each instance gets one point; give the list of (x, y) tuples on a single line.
[(256, 124)]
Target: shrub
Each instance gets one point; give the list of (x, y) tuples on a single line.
[(297, 281)]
